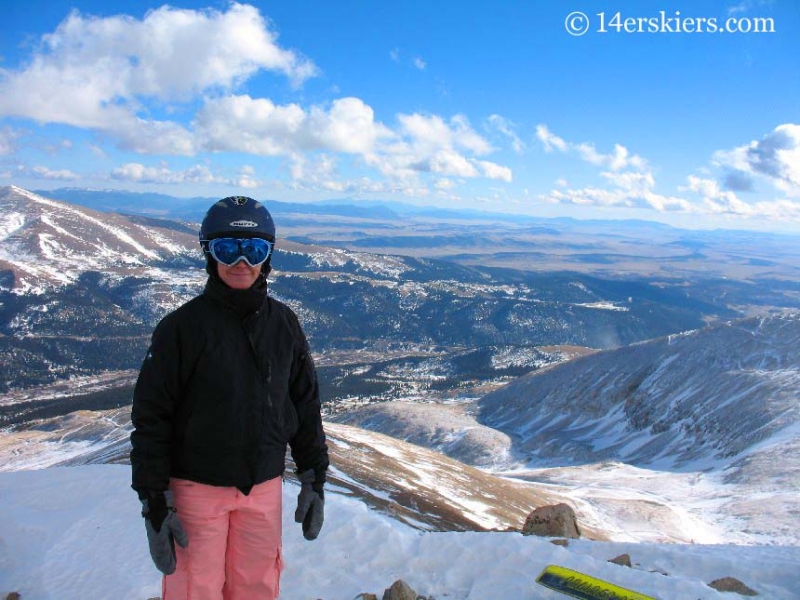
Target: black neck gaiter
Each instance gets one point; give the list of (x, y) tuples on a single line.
[(241, 302)]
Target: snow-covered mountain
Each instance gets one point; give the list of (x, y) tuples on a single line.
[(46, 243), (698, 399), (686, 437), (714, 412)]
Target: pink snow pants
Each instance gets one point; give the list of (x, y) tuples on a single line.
[(234, 550)]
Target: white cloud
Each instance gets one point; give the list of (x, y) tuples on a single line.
[(153, 137), (618, 197), (421, 144), (448, 162), (117, 75), (258, 126), (631, 182), (42, 172), (550, 140), (419, 63), (444, 184), (8, 141), (318, 171), (247, 178), (47, 173), (430, 144), (430, 133), (506, 127), (349, 126), (494, 171), (138, 173), (715, 199), (95, 72), (775, 158), (244, 124), (617, 160)]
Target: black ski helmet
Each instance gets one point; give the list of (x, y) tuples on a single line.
[(236, 216)]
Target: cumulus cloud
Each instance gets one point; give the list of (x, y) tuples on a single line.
[(617, 160), (95, 72), (117, 75), (430, 144), (419, 63), (775, 158), (247, 178), (42, 172), (631, 183), (618, 197), (716, 199), (433, 132), (258, 126), (420, 144), (494, 171), (60, 174), (139, 173), (737, 181)]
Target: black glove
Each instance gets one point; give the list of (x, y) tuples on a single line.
[(310, 504), (163, 530)]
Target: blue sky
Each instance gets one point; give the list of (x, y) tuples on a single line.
[(668, 110)]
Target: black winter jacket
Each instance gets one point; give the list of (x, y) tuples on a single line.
[(222, 391)]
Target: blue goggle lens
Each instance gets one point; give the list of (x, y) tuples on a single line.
[(230, 251)]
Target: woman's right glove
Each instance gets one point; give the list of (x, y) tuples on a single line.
[(310, 504), (163, 530)]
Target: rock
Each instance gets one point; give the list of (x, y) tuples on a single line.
[(13, 596), (622, 559), (731, 584), (560, 542), (555, 520), (400, 590), (366, 596)]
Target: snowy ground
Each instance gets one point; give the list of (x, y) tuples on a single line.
[(75, 532)]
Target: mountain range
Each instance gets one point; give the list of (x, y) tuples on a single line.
[(656, 410), (434, 324)]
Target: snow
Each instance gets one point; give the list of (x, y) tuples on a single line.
[(604, 306), (82, 214), (75, 532)]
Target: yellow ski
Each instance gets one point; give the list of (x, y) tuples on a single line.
[(579, 585)]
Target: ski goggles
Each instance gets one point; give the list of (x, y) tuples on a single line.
[(229, 251)]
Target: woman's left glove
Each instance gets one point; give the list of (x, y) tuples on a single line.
[(163, 530), (310, 504)]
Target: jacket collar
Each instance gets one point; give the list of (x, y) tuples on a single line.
[(240, 302)]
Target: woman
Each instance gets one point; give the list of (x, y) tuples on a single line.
[(227, 383)]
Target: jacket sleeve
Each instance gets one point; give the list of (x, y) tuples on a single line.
[(154, 401), (308, 446)]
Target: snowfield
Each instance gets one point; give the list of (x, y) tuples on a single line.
[(75, 532)]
